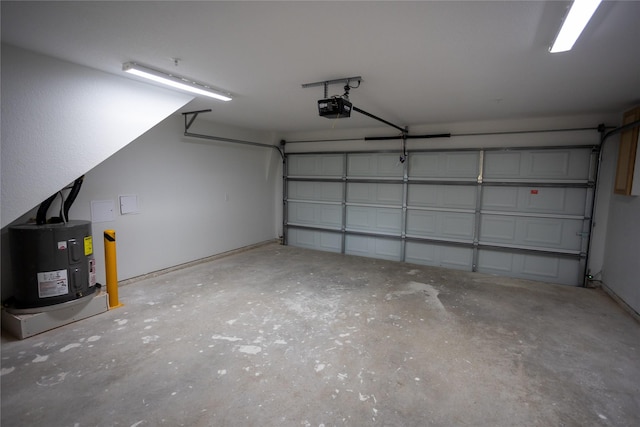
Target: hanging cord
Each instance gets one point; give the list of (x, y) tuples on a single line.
[(71, 197), (41, 216), (62, 216), (65, 204)]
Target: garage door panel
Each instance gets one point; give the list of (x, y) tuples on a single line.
[(303, 212), (389, 220), (564, 234), (320, 191), (422, 223), (549, 233), (500, 199), (551, 200), (439, 224), (372, 219), (496, 262), (316, 165), (442, 196), (424, 165), (541, 266), (439, 255), (375, 193), (458, 225), (462, 164), (461, 197), (547, 200), (444, 165), (549, 164), (315, 214), (315, 239), (374, 165), (538, 165), (498, 229), (502, 164), (330, 215), (543, 233), (530, 266), (562, 201), (373, 247), (360, 218)]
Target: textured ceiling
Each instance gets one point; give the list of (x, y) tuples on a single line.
[(421, 62)]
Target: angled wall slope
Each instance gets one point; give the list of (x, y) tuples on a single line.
[(59, 120)]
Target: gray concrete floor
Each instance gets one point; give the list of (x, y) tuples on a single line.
[(280, 336)]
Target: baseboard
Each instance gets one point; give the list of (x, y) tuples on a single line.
[(621, 302), (197, 262)]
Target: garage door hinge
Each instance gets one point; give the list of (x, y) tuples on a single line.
[(583, 234)]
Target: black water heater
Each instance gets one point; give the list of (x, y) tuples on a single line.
[(51, 263)]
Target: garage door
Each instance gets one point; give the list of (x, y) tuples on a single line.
[(518, 212)]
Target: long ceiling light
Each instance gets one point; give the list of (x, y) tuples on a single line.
[(579, 15), (174, 81)]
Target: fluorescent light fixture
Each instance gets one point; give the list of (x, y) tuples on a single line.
[(577, 18), (174, 81)]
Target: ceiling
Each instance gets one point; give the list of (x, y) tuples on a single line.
[(421, 62)]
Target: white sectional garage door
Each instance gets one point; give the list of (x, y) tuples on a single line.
[(518, 212)]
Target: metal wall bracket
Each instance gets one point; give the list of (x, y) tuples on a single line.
[(192, 115), (326, 83)]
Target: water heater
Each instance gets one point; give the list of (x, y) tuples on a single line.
[(51, 263)]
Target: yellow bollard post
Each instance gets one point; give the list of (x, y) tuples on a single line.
[(111, 267)]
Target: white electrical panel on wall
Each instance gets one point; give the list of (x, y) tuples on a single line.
[(102, 210), (129, 204)]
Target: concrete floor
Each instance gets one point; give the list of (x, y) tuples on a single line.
[(280, 336)]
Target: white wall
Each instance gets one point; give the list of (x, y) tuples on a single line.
[(182, 186), (197, 198), (61, 119), (621, 270)]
